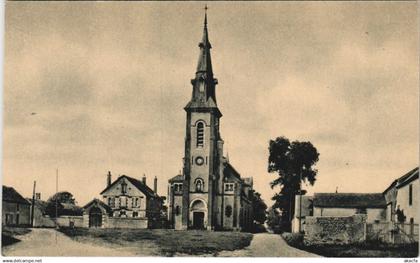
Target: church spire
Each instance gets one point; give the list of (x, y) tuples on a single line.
[(204, 60), (204, 83)]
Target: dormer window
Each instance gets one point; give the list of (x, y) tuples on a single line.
[(200, 134), (199, 185)]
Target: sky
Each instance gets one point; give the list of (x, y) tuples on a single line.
[(92, 87)]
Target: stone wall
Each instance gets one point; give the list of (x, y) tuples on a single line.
[(117, 222), (69, 221), (335, 230)]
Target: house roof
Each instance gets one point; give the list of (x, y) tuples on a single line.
[(408, 178), (405, 179), (40, 204), (177, 178), (100, 203), (11, 195), (349, 200), (137, 183)]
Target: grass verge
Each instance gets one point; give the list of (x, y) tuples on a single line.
[(368, 249), (9, 234), (168, 242)]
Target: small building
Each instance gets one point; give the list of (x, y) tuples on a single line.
[(402, 196), (15, 208), (126, 203), (40, 217), (349, 204)]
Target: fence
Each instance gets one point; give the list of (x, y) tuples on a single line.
[(391, 232)]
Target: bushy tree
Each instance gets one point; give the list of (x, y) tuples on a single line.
[(293, 162), (259, 207)]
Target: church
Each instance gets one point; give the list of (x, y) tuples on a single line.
[(209, 193)]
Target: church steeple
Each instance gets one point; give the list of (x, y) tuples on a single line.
[(204, 84), (204, 60)]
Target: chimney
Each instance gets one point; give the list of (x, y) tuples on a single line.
[(37, 196), (155, 185), (144, 179), (108, 179)]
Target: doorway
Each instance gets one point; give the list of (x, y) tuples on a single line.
[(198, 220), (95, 217)]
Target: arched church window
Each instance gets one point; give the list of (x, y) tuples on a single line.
[(199, 185), (200, 134)]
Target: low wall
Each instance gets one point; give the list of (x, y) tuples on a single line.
[(68, 221), (121, 222), (335, 230), (44, 221)]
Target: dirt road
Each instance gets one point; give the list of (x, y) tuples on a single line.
[(42, 242), (267, 245)]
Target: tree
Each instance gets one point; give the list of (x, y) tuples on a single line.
[(62, 203), (259, 208), (62, 197), (294, 163)]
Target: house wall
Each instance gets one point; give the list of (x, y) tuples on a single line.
[(67, 221), (410, 211), (120, 222), (10, 210), (132, 192), (41, 220), (372, 213)]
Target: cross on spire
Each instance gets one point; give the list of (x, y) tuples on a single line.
[(205, 15)]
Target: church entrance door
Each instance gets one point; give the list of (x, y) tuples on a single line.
[(198, 220), (95, 217)]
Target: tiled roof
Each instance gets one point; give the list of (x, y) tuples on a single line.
[(41, 205), (11, 195), (137, 183), (406, 178), (100, 203), (177, 178), (349, 200)]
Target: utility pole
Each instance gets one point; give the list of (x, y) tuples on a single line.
[(300, 201), (33, 205), (56, 203)]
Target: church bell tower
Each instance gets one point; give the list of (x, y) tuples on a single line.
[(203, 144)]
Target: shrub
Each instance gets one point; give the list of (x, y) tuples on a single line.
[(293, 239)]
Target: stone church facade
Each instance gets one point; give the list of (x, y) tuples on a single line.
[(210, 193)]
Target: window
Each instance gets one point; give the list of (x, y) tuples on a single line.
[(361, 211), (177, 187), (135, 214), (123, 214), (228, 211), (177, 210), (200, 134), (112, 202), (109, 201), (123, 187), (229, 187), (17, 207), (199, 185), (410, 194)]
